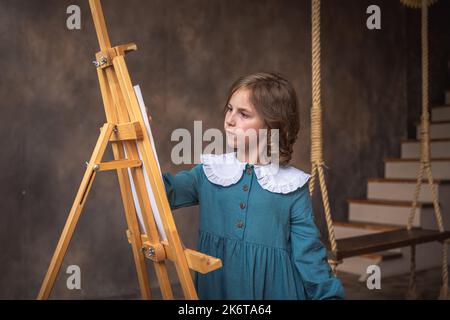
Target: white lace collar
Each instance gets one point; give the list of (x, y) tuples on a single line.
[(226, 169)]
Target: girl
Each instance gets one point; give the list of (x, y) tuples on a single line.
[(257, 220)]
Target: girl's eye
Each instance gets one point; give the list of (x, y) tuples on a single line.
[(245, 116)]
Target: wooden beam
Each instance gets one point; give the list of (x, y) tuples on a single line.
[(197, 261), (127, 131), (121, 50), (100, 24), (359, 245), (118, 164)]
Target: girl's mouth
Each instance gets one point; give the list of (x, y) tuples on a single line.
[(230, 132)]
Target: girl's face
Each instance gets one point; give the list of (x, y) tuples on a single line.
[(241, 117)]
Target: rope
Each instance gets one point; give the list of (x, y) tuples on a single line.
[(425, 165), (412, 292), (316, 130)]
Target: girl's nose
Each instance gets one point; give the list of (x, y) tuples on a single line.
[(230, 120)]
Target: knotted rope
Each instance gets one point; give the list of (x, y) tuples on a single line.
[(425, 164), (316, 130)]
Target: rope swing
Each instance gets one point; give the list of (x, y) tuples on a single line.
[(425, 165), (317, 161), (409, 236)]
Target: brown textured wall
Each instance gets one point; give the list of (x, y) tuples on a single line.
[(189, 53), (439, 50)]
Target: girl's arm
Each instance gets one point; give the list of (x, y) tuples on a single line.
[(309, 254), (182, 188)]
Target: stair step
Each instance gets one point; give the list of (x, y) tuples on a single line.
[(358, 265), (372, 227), (404, 180), (400, 189), (439, 148), (440, 113), (438, 130), (388, 212), (393, 203), (409, 168), (384, 255)]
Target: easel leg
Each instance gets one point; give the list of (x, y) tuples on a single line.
[(134, 235), (75, 212)]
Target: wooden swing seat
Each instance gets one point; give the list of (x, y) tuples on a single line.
[(371, 243)]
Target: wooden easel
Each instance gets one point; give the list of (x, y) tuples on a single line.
[(132, 148)]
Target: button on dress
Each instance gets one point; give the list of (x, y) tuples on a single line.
[(268, 242)]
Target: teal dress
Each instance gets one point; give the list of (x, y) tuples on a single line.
[(268, 242)]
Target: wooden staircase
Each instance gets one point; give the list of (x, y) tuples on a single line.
[(388, 205)]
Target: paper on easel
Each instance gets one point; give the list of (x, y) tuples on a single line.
[(151, 196)]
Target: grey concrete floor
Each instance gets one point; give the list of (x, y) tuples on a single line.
[(428, 284), (392, 288)]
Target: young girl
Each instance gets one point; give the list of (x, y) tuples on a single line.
[(257, 220)]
